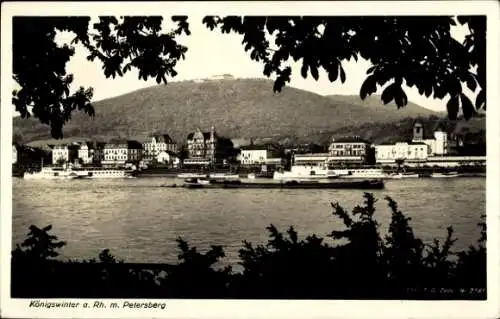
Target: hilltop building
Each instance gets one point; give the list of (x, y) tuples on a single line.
[(158, 148), (205, 148)]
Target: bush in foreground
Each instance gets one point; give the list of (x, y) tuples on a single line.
[(360, 265)]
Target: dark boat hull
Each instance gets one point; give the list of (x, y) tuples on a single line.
[(289, 185)]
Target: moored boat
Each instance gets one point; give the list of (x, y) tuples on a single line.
[(191, 175), (361, 173), (403, 175), (196, 182), (98, 173), (305, 172), (224, 176), (445, 175), (50, 173), (234, 184), (68, 172)]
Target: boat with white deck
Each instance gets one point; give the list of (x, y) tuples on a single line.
[(224, 176), (68, 172), (361, 173), (191, 175), (445, 175), (404, 175), (50, 173), (305, 172)]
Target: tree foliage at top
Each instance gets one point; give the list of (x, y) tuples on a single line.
[(39, 65), (417, 52)]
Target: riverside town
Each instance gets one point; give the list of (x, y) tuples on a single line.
[(432, 152)]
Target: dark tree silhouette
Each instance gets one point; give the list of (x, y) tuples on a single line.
[(39, 65), (416, 51)]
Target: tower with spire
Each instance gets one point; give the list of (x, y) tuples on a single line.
[(212, 133)]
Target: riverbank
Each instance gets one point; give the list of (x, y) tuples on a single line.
[(464, 171)]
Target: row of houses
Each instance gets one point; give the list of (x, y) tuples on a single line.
[(436, 150), (114, 152), (202, 148), (205, 148)]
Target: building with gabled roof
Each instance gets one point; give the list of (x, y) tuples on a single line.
[(349, 149), (205, 148), (438, 144), (121, 151), (156, 144)]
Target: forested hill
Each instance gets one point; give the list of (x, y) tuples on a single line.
[(401, 130), (239, 108)]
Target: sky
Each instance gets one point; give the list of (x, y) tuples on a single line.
[(211, 53)]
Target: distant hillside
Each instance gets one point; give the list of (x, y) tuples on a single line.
[(239, 108), (403, 129), (375, 102)]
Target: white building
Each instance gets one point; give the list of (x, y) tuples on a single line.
[(120, 152), (60, 153), (167, 157), (402, 151), (310, 159), (438, 145), (14, 154), (256, 154), (253, 155), (156, 145), (348, 149), (85, 153)]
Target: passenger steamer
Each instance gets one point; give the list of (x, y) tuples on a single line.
[(68, 172), (321, 172), (303, 172)]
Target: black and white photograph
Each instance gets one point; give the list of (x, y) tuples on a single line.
[(177, 159)]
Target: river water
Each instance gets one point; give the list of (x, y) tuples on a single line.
[(139, 221)]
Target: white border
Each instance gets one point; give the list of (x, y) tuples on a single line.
[(265, 309)]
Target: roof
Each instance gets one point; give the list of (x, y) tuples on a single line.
[(206, 135), (350, 140), (403, 142), (253, 147), (416, 143), (312, 155), (385, 144), (162, 138), (59, 146), (130, 144)]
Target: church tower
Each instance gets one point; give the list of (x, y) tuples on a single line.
[(418, 131), (212, 133)]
